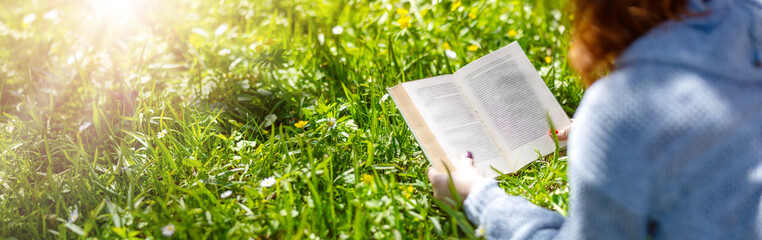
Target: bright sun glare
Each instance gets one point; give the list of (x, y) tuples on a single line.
[(115, 11)]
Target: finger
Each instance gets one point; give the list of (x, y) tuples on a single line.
[(467, 159), (550, 132), (563, 134)]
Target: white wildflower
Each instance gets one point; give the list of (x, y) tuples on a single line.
[(226, 194), (268, 182), (331, 122), (224, 52), (168, 230), (73, 216), (451, 53), (236, 157), (383, 98), (479, 232), (337, 30), (161, 134)]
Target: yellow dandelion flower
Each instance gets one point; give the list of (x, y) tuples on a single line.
[(472, 48), (471, 15), (548, 59), (300, 124), (401, 11), (446, 46), (404, 22), (265, 131), (455, 5), (366, 178), (410, 189), (512, 33)]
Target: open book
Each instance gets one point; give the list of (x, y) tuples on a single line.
[(497, 107)]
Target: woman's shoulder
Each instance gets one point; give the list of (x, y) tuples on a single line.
[(649, 99), (658, 88), (656, 103)]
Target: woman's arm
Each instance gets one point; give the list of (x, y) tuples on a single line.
[(608, 180)]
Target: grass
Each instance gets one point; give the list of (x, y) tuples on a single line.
[(87, 89)]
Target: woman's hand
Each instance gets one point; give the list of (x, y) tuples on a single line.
[(563, 134), (464, 178)]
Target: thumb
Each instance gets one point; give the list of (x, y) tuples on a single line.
[(468, 158)]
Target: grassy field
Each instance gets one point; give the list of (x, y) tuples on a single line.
[(244, 119)]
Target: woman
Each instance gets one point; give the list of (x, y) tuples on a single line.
[(668, 144)]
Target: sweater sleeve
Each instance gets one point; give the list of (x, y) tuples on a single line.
[(607, 174)]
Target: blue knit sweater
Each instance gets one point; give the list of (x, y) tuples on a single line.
[(668, 145)]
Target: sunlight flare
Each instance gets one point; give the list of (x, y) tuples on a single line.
[(115, 11)]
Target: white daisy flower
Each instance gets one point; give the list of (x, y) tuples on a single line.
[(479, 232), (162, 133), (168, 230), (383, 98), (337, 30), (267, 182), (451, 53), (226, 194), (73, 216), (331, 122)]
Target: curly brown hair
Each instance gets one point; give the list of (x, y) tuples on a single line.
[(603, 29)]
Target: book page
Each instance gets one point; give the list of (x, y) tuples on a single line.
[(513, 101), (423, 135), (453, 120)]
